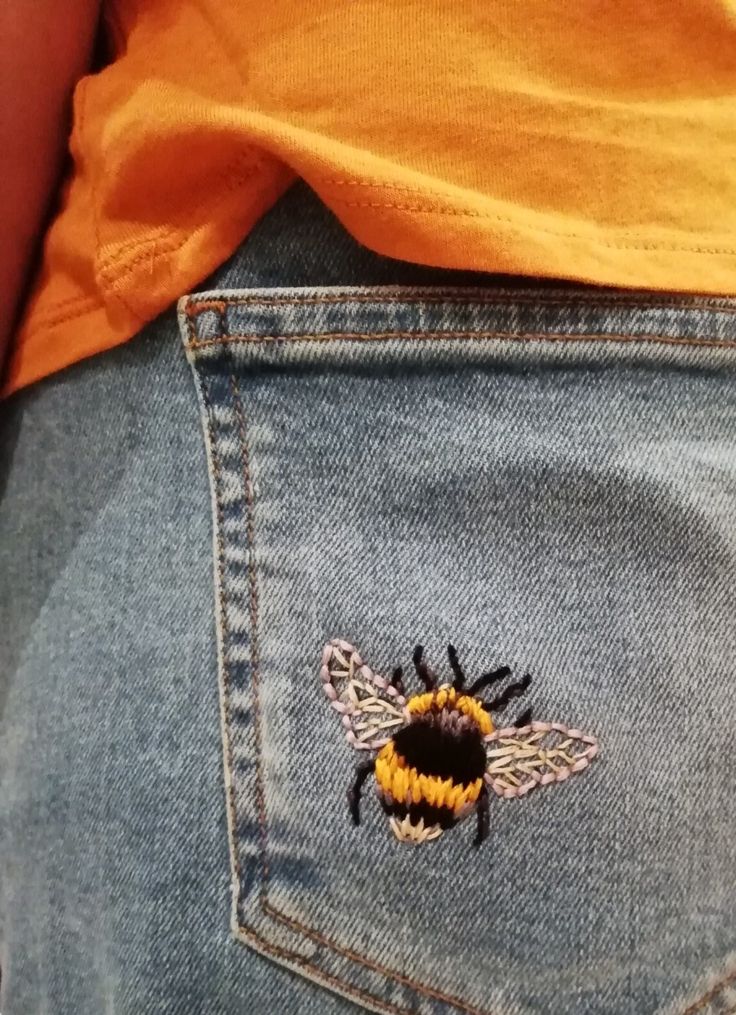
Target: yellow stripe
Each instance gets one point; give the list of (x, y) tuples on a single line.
[(409, 786), (447, 697)]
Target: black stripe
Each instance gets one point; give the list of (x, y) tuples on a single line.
[(432, 815), (449, 751)]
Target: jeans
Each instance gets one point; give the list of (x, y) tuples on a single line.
[(378, 455)]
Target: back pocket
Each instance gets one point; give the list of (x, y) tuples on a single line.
[(545, 482)]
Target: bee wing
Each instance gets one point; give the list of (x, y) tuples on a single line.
[(372, 710), (535, 755)]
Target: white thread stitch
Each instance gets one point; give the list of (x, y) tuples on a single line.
[(350, 686), (535, 755), (405, 831)]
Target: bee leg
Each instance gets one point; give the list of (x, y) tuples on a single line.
[(361, 774), (524, 719), (482, 812), (512, 691), (456, 668), (396, 680), (422, 669), (489, 678)]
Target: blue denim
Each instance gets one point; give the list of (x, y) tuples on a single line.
[(543, 476)]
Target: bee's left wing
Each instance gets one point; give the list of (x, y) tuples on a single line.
[(535, 755), (371, 708)]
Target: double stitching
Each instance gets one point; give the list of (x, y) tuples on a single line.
[(509, 336), (219, 305), (520, 226), (460, 296), (449, 209), (244, 932)]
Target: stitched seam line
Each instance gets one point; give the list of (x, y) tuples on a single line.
[(74, 310), (449, 209), (711, 995), (514, 336), (341, 985), (376, 967), (241, 171), (267, 907), (229, 787), (519, 226), (253, 614), (593, 301)]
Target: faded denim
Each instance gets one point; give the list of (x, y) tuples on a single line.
[(544, 476)]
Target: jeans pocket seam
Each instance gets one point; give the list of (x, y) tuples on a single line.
[(240, 929), (507, 336)]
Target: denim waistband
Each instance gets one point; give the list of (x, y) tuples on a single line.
[(300, 244)]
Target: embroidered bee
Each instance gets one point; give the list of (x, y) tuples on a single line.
[(436, 755)]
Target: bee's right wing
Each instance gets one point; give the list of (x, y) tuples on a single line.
[(539, 754), (371, 708)]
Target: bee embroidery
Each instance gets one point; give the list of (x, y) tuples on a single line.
[(436, 755)]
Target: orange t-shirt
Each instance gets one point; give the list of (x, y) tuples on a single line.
[(593, 140)]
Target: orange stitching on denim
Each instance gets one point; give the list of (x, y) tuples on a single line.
[(267, 907), (591, 301), (253, 602), (203, 306), (299, 960), (348, 953), (247, 932), (513, 336), (711, 995), (504, 298), (229, 788)]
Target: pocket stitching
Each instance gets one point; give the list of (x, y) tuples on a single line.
[(512, 336), (471, 296), (266, 907), (712, 995), (241, 930)]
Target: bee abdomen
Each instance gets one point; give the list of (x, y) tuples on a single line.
[(412, 779), (446, 745)]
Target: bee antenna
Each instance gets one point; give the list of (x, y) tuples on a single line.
[(422, 669), (489, 678), (457, 669), (512, 691)]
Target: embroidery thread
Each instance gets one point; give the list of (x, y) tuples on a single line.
[(436, 755)]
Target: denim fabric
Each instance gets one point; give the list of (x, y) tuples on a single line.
[(545, 477)]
